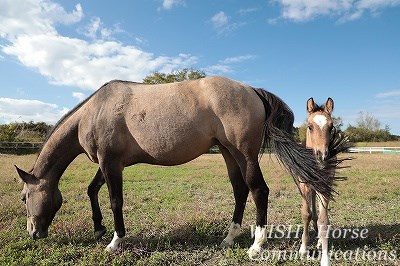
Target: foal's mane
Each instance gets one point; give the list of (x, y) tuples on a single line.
[(318, 108)]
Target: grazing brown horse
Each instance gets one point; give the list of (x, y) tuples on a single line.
[(124, 123), (318, 138)]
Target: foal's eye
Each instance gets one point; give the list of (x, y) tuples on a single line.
[(310, 127), (23, 198)]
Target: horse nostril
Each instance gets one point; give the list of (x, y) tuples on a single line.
[(320, 156), (35, 235)]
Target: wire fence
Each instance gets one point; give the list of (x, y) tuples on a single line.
[(19, 147)]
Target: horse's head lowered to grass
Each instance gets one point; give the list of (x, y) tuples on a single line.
[(41, 204)]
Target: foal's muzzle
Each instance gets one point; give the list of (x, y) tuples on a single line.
[(322, 155)]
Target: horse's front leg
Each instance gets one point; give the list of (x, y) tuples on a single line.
[(113, 177), (323, 232), (93, 192), (306, 215)]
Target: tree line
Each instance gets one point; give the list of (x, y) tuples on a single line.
[(366, 129)]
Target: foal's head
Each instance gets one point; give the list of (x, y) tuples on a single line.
[(42, 201), (319, 128)]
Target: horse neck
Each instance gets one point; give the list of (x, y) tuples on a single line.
[(59, 151)]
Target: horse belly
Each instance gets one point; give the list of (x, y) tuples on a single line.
[(172, 147), (173, 139)]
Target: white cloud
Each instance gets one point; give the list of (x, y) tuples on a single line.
[(74, 62), (19, 17), (246, 11), (218, 69), (96, 30), (219, 20), (226, 65), (389, 94), (79, 95), (221, 23), (35, 42), (168, 4), (237, 59), (17, 110), (344, 10)]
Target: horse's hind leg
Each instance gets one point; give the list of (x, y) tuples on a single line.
[(112, 171), (93, 192), (260, 192), (306, 215), (240, 191)]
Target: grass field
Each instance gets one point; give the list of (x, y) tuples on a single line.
[(179, 215)]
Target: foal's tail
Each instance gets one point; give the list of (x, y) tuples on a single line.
[(299, 161)]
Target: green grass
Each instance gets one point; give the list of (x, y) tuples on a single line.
[(179, 215)]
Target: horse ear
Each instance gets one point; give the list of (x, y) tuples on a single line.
[(26, 177), (329, 106), (310, 105)]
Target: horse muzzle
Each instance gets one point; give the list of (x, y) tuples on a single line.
[(38, 234), (321, 155), (34, 231)]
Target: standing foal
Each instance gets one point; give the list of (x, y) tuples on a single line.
[(319, 129)]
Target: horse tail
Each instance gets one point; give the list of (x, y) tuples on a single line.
[(299, 161)]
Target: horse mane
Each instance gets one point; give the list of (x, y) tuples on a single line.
[(71, 112), (76, 108)]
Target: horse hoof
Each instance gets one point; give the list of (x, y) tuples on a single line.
[(225, 244), (113, 246), (254, 252), (110, 249), (100, 233), (325, 261), (303, 251)]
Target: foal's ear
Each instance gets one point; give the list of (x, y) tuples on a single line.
[(310, 105), (26, 177), (329, 106)]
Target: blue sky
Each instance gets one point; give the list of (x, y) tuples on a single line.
[(55, 53)]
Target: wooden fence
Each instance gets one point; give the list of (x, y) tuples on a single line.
[(385, 150)]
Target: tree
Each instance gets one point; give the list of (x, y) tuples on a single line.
[(23, 131), (175, 76), (368, 121), (368, 129)]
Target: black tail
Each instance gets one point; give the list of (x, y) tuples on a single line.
[(299, 161)]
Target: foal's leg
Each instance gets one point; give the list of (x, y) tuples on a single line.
[(240, 191), (323, 233), (260, 192), (113, 175), (93, 192), (306, 215)]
